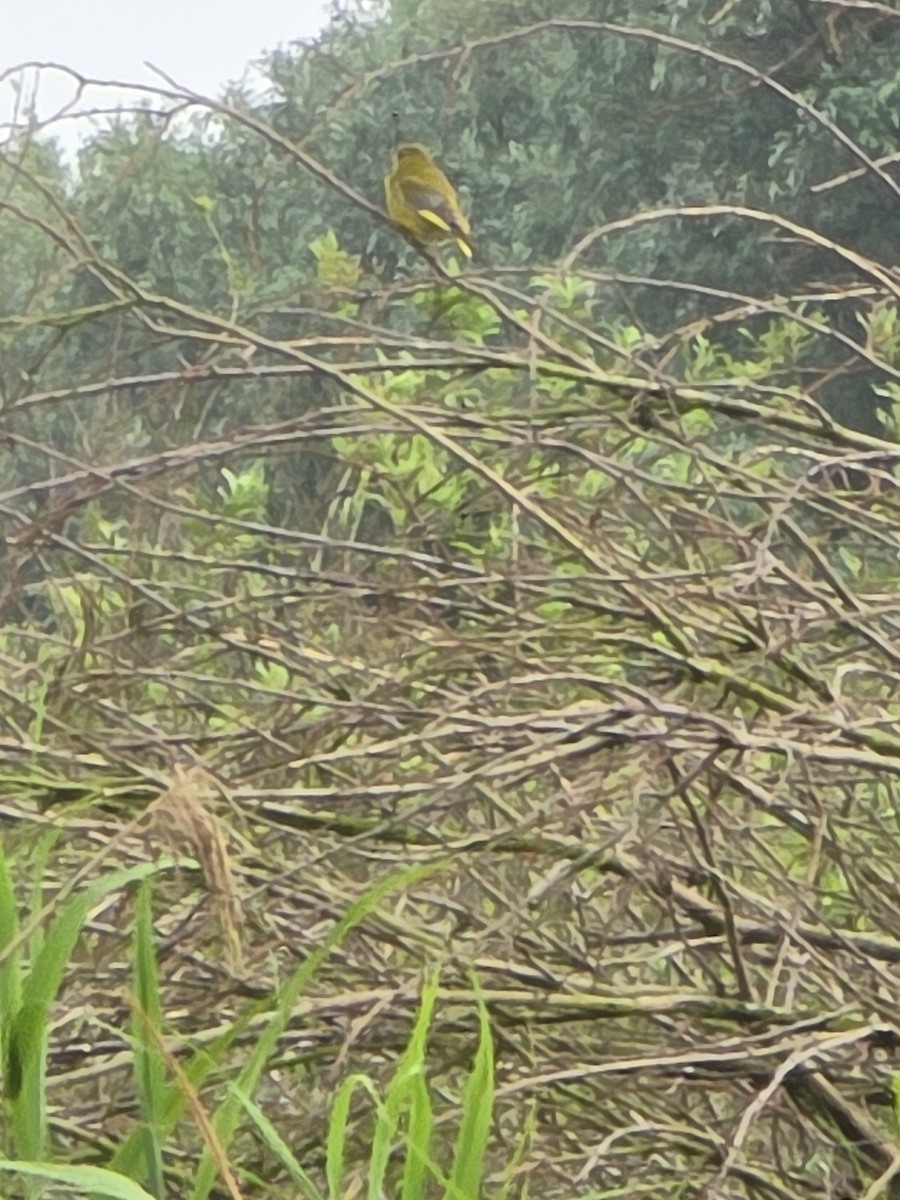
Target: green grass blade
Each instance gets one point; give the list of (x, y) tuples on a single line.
[(417, 1168), (46, 975), (24, 1080), (26, 1059), (92, 1180), (336, 1143), (477, 1115), (11, 968), (399, 1095), (150, 1068), (276, 1144)]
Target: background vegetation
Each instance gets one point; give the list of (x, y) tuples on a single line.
[(448, 715)]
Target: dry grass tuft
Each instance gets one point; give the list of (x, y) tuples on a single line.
[(184, 817)]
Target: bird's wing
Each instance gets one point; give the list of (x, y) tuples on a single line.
[(430, 205)]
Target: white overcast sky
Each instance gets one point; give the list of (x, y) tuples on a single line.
[(203, 44)]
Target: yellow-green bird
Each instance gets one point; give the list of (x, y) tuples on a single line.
[(421, 200)]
